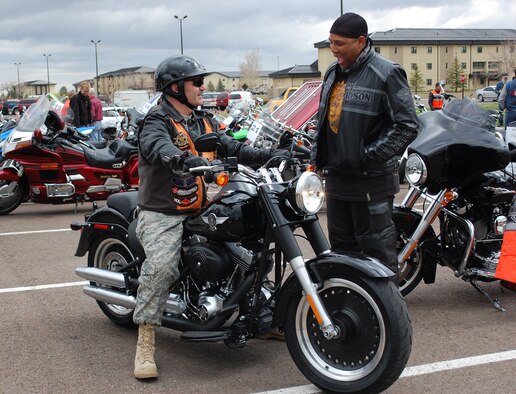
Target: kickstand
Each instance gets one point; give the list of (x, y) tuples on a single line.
[(495, 302)]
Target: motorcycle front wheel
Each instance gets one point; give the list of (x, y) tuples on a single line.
[(112, 254), (10, 201), (374, 342)]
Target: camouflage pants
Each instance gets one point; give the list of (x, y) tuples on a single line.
[(160, 236)]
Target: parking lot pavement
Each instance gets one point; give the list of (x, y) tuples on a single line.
[(56, 339)]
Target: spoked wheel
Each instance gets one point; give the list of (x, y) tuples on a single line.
[(374, 342), (411, 271), (112, 254), (10, 199)]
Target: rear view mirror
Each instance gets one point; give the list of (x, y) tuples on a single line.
[(208, 142)]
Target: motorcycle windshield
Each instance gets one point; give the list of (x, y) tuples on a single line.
[(35, 115), (457, 143)]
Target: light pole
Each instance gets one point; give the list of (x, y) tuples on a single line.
[(18, 69), (96, 64), (181, 29), (48, 74)]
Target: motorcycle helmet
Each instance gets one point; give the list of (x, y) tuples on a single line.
[(177, 69), (54, 120)]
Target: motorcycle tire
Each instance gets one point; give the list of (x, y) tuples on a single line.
[(375, 335), (11, 202), (112, 254)]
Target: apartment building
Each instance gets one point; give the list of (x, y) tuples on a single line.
[(484, 54)]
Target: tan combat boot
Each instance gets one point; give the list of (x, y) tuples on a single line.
[(144, 365)]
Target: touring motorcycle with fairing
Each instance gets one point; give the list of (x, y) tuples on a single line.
[(243, 273), (458, 167)]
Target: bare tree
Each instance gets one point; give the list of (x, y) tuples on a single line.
[(11, 89), (507, 56), (250, 68)]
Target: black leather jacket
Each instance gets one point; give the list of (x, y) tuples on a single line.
[(159, 157), (378, 120)]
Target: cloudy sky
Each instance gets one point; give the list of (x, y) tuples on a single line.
[(216, 32)]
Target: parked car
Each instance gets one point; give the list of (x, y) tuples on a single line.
[(9, 105), (238, 96), (223, 101), (487, 93), (23, 104), (209, 99), (275, 102), (111, 120)]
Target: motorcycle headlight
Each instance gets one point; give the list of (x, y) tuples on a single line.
[(309, 192), (415, 169)]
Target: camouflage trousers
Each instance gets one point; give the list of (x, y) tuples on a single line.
[(160, 236)]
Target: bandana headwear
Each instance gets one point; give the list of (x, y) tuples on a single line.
[(349, 25)]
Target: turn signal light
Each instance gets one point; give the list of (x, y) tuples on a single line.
[(222, 179)]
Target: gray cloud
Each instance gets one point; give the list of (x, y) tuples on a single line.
[(217, 33)]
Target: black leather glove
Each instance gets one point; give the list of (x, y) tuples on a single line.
[(194, 161), (281, 153)]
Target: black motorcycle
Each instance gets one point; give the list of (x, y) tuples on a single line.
[(345, 323), (457, 166)]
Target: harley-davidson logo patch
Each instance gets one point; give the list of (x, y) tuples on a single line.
[(181, 141)]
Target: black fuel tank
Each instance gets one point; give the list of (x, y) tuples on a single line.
[(233, 215)]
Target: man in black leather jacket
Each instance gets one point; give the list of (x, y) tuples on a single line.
[(168, 194), (366, 119)]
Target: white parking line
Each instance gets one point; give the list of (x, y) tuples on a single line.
[(37, 231), (43, 287), (418, 370)]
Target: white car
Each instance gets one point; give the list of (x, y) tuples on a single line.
[(112, 117), (487, 93), (239, 96)]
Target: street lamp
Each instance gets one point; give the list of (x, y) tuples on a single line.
[(96, 64), (48, 74), (181, 29), (18, 69)]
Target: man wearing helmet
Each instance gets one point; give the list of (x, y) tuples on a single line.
[(168, 194)]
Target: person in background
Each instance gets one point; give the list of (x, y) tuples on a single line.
[(436, 98), (499, 86), (366, 119), (507, 100), (81, 106), (168, 193), (96, 117), (66, 111)]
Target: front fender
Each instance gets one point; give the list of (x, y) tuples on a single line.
[(102, 223), (319, 268), (11, 171)]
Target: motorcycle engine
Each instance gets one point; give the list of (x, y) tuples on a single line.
[(207, 262)]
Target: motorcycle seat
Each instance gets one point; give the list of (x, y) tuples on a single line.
[(111, 157), (125, 203)]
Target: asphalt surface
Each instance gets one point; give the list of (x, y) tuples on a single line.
[(55, 339)]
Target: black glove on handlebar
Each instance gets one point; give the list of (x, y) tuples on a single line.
[(193, 161)]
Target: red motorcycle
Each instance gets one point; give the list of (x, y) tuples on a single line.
[(50, 163)]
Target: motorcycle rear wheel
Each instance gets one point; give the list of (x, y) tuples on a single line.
[(112, 254), (375, 335), (9, 203)]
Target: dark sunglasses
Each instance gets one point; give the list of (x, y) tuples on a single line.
[(197, 82)]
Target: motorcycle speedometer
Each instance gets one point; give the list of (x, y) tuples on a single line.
[(415, 169), (309, 192)]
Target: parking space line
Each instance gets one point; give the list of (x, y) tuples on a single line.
[(418, 370), (37, 231), (43, 287)]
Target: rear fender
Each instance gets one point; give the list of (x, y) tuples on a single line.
[(321, 267), (103, 223), (406, 221)]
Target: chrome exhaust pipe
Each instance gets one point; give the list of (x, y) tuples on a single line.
[(110, 296), (104, 277)]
